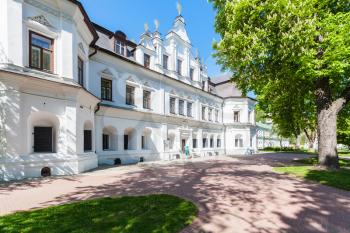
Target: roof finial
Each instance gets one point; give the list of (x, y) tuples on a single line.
[(146, 27), (179, 7), (156, 23)]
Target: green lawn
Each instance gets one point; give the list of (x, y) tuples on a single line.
[(154, 213), (344, 153), (338, 179)]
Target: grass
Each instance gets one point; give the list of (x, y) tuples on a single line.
[(286, 149), (338, 179), (345, 153), (153, 213)]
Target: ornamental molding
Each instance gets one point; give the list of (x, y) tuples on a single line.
[(48, 9), (42, 20)]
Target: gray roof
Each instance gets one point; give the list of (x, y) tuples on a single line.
[(221, 78)]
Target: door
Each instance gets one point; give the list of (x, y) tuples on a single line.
[(87, 140), (183, 144), (43, 139)]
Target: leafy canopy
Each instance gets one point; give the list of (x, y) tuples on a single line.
[(279, 48)]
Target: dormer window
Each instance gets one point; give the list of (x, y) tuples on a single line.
[(179, 67), (146, 60), (120, 47), (40, 52)]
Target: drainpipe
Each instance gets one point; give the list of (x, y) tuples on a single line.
[(93, 52)]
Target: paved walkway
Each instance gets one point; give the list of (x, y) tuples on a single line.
[(233, 194)]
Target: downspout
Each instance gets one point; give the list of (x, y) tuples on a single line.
[(93, 52)]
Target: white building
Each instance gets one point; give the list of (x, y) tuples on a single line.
[(74, 95), (266, 137)]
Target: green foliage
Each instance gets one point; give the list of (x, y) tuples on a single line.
[(154, 213), (343, 132), (279, 48)]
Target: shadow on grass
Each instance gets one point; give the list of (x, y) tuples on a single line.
[(142, 214)]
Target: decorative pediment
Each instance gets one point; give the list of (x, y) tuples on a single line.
[(130, 79), (41, 19), (173, 92), (146, 84), (107, 73)]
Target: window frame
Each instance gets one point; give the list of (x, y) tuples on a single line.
[(191, 73), (146, 101), (179, 67), (172, 110), (189, 109), (165, 62), (52, 52), (148, 64), (234, 116), (203, 113), (182, 108), (210, 114), (130, 98), (110, 97), (81, 71), (121, 47)]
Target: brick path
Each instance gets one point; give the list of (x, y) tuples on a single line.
[(233, 194)]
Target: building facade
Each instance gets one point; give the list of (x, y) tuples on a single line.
[(74, 94), (267, 138)]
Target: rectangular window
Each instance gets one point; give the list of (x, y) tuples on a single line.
[(43, 140), (120, 47), (179, 67), (165, 61), (126, 142), (204, 142), (105, 141), (236, 116), (194, 143), (80, 71), (143, 145), (146, 99), (189, 109), (210, 111), (216, 115), (130, 95), (40, 52), (191, 73), (87, 140), (211, 142), (146, 60), (203, 113), (106, 89), (203, 85), (181, 107), (172, 105), (218, 143)]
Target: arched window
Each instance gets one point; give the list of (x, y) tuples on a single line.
[(238, 140), (43, 128)]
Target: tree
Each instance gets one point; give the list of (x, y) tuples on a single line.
[(293, 55)]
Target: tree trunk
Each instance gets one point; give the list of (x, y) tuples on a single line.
[(327, 112), (327, 138)]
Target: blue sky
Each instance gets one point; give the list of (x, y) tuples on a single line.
[(130, 16)]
